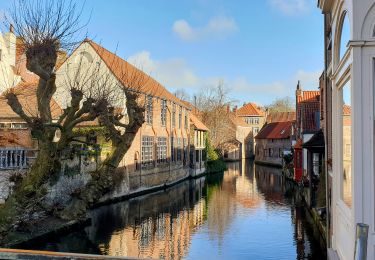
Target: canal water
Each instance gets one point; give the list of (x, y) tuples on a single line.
[(248, 212)]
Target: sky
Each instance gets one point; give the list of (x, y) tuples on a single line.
[(258, 48)]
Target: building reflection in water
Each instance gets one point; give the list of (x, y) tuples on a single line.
[(197, 218)]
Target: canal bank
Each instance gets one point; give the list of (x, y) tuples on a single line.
[(243, 213)]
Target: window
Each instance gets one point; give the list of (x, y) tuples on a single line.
[(255, 130), (346, 144), (198, 158), (162, 150), (344, 36), (265, 152), (163, 113), (186, 119), (256, 120), (172, 150), (5, 125), (19, 126), (270, 152), (179, 149), (185, 150), (174, 115), (147, 151), (180, 117), (149, 110), (280, 152)]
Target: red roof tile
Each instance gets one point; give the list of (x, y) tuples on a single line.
[(125, 72), (308, 96), (26, 93), (308, 106), (237, 121), (250, 109), (347, 110), (197, 123), (281, 117), (276, 130)]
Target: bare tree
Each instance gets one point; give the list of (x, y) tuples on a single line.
[(182, 94), (284, 104), (214, 104), (45, 28)]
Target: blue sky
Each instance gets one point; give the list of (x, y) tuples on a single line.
[(259, 48)]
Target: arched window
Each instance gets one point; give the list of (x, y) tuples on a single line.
[(344, 36)]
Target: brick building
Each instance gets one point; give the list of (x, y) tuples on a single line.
[(160, 150), (307, 124), (273, 141), (253, 115)]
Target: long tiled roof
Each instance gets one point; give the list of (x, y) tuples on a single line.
[(124, 72), (281, 117), (26, 93), (276, 130), (249, 109)]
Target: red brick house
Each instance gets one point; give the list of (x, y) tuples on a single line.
[(272, 142)]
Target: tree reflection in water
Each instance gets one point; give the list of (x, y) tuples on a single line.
[(242, 213)]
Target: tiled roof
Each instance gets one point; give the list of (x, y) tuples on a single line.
[(124, 72), (237, 121), (26, 93), (193, 108), (250, 109), (276, 130), (307, 96), (309, 112), (347, 110), (197, 123), (16, 138), (308, 107), (281, 117)]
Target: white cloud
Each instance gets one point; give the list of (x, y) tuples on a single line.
[(290, 7), (218, 27), (172, 72), (309, 79), (175, 73)]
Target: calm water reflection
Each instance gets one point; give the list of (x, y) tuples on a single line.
[(241, 214)]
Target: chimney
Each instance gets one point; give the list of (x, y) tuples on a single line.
[(298, 91), (299, 88), (10, 42), (235, 109), (228, 109)]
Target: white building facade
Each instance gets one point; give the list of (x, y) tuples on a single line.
[(351, 71)]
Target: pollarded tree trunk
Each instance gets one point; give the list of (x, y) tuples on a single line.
[(100, 183)]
